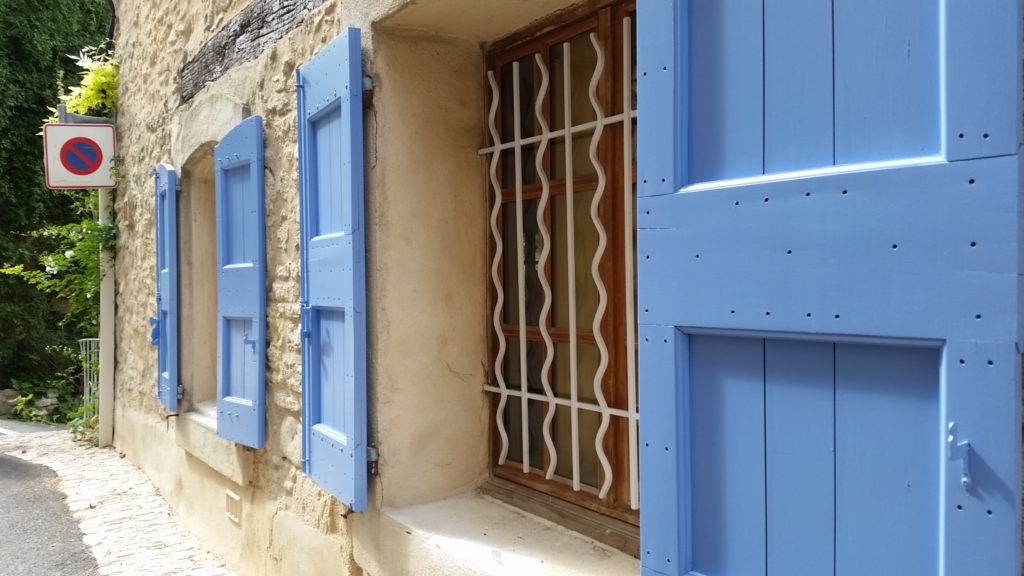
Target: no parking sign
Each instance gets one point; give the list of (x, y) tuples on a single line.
[(78, 155)]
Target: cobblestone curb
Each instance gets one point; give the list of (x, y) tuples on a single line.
[(125, 522)]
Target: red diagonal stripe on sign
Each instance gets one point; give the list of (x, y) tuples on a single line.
[(88, 161)]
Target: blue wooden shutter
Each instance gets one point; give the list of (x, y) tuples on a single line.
[(829, 264), (164, 328), (333, 269), (241, 284)]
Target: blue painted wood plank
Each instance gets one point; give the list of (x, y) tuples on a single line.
[(799, 457), (888, 452), (981, 525), (726, 89), (983, 78), (727, 431), (166, 328), (665, 533), (662, 96), (766, 265), (924, 252), (333, 253), (241, 215), (241, 284), (798, 79), (887, 92)]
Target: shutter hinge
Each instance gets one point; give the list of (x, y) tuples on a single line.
[(372, 457), (181, 391), (367, 92), (959, 449), (304, 319)]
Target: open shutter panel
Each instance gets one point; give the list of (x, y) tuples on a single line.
[(164, 332), (241, 284), (333, 270), (829, 272)]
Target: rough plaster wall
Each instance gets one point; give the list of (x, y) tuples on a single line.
[(198, 281), (429, 278)]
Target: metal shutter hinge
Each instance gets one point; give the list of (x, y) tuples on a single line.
[(372, 457), (957, 449), (304, 319)]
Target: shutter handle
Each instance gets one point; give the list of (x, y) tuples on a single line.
[(250, 341), (154, 334), (959, 450)]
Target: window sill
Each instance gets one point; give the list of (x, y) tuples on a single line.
[(476, 534), (196, 433)]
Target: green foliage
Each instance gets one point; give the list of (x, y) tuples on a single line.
[(83, 423), (70, 267), (58, 389), (96, 95), (35, 38), (23, 404)]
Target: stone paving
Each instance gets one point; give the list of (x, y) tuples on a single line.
[(125, 522)]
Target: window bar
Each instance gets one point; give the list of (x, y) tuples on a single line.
[(570, 233), (545, 374), (495, 263), (521, 268), (627, 190), (561, 132), (602, 241), (620, 412)]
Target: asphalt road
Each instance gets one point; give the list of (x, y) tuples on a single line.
[(9, 427), (38, 536)]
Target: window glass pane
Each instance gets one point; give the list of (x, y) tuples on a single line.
[(587, 359), (514, 428), (528, 167), (507, 118), (529, 84), (581, 164), (585, 240), (532, 245), (632, 20), (556, 100), (583, 59), (535, 353), (561, 432), (510, 271)]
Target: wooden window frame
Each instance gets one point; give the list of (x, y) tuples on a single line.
[(582, 510)]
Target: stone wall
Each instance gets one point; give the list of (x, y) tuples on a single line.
[(427, 263), (289, 524)]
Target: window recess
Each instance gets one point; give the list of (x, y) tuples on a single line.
[(562, 184)]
